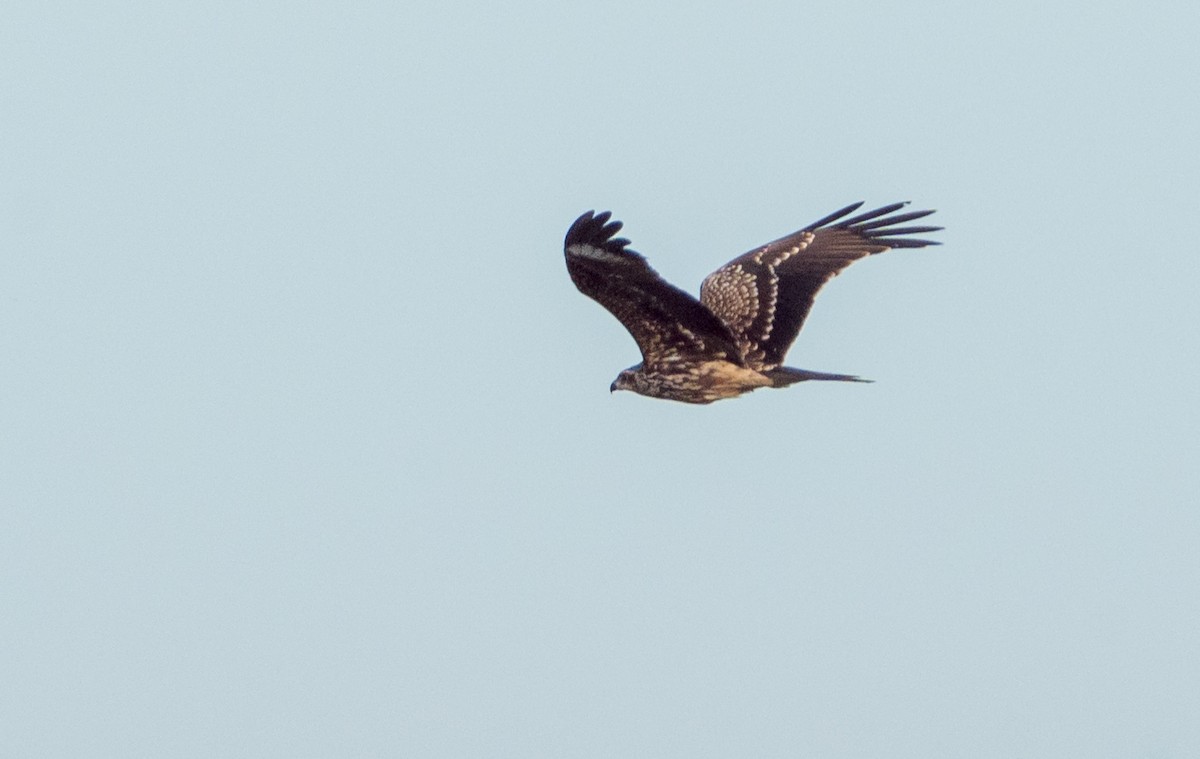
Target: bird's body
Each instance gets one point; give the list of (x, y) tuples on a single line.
[(708, 381), (691, 381), (734, 338)]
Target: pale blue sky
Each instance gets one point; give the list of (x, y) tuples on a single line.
[(308, 447)]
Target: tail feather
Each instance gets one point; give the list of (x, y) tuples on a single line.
[(782, 376)]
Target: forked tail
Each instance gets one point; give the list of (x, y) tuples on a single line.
[(782, 376)]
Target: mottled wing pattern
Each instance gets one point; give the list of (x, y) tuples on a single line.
[(667, 323), (765, 295)]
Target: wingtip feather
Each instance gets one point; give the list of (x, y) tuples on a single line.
[(879, 227), (596, 230), (835, 216), (883, 211)]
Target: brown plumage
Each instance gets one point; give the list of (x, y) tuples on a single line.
[(734, 338)]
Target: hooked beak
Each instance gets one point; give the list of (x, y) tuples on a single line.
[(613, 387)]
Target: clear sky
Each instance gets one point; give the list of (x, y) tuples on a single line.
[(308, 448)]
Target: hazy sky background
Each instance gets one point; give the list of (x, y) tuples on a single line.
[(308, 449)]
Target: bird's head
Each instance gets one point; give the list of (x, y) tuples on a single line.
[(625, 380)]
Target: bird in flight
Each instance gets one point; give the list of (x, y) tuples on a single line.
[(734, 338)]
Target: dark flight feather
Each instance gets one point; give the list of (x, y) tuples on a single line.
[(667, 323)]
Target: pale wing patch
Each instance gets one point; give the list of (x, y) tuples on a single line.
[(769, 301), (732, 294), (787, 253), (596, 254), (745, 295)]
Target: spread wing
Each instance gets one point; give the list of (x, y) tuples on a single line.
[(765, 295), (667, 323)]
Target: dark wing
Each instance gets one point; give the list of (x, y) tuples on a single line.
[(765, 295), (667, 323)]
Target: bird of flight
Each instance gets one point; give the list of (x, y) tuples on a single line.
[(734, 338)]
